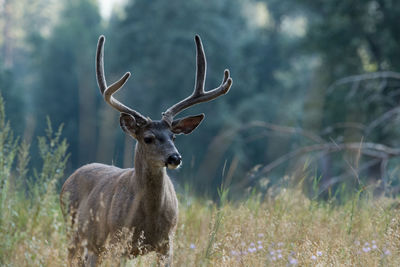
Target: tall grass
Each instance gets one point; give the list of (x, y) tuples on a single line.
[(30, 220), (287, 228)]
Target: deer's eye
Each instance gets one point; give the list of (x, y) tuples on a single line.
[(148, 139)]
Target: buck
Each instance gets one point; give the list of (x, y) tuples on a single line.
[(101, 201)]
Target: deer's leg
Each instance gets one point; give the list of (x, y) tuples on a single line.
[(72, 256), (92, 259), (164, 260), (75, 251), (165, 253)]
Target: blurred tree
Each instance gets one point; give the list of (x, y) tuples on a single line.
[(67, 89), (275, 82), (18, 20), (350, 38), (10, 91)]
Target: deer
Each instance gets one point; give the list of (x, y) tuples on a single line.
[(102, 201)]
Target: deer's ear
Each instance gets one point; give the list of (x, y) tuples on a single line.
[(128, 123), (187, 124)]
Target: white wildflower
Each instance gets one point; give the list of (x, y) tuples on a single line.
[(366, 249), (252, 249)]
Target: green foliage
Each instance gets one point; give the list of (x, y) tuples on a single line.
[(353, 36), (28, 206), (53, 153), (11, 91)]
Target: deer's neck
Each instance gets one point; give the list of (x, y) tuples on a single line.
[(151, 179)]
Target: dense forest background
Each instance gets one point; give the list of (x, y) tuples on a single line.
[(316, 88)]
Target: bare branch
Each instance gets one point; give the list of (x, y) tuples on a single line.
[(370, 149), (336, 179), (364, 77), (284, 129), (384, 117), (339, 125)]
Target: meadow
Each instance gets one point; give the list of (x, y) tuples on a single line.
[(280, 228)]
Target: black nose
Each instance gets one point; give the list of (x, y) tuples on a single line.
[(174, 159)]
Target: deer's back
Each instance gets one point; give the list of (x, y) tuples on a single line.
[(81, 185)]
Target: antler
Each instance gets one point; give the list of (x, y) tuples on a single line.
[(199, 95), (107, 92)]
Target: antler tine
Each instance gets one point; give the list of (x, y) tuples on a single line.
[(107, 92), (101, 81), (201, 67), (199, 95)]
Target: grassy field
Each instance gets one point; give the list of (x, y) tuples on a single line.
[(283, 229), (288, 229)]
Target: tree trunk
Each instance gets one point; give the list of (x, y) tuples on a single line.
[(106, 144), (87, 118)]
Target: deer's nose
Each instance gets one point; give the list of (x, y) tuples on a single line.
[(174, 159)]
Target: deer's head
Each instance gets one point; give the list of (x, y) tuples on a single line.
[(156, 138)]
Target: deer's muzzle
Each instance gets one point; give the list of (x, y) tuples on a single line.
[(174, 161)]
